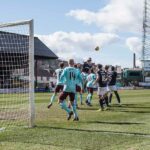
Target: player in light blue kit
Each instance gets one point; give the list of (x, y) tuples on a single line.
[(59, 84), (84, 75), (78, 86), (69, 76), (90, 86)]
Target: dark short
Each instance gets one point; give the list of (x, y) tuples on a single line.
[(64, 95), (90, 90), (58, 88), (78, 88)]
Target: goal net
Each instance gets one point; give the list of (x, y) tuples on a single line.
[(17, 74)]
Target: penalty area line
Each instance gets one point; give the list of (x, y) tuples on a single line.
[(126, 134), (107, 132)]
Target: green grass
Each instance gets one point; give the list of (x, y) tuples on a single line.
[(119, 128)]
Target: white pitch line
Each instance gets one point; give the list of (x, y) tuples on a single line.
[(128, 134)]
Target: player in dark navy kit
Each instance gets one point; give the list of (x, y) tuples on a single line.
[(101, 79), (108, 79), (88, 64), (112, 85)]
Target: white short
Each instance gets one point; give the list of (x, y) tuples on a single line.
[(112, 88), (102, 91)]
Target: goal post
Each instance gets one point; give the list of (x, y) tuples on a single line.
[(31, 72), (17, 106)]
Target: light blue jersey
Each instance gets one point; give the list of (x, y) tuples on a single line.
[(70, 75), (79, 83), (90, 79), (58, 74)]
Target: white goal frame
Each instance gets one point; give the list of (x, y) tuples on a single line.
[(30, 23)]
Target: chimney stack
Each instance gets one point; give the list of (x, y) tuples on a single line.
[(134, 60)]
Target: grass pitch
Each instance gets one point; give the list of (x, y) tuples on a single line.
[(119, 128)]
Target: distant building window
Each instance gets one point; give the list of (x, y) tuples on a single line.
[(134, 74), (41, 78), (147, 73), (47, 78)]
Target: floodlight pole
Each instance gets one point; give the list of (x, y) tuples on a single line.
[(144, 37)]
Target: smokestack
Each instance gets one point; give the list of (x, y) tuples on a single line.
[(134, 60)]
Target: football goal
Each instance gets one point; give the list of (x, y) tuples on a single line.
[(17, 74)]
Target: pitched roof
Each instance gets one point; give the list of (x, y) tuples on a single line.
[(10, 42), (41, 50)]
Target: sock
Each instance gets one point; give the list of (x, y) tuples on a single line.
[(106, 100), (74, 111), (89, 97), (64, 106), (118, 97), (110, 97), (80, 97), (76, 97), (101, 103), (53, 98)]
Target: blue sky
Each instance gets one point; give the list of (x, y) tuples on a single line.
[(58, 18), (49, 15)]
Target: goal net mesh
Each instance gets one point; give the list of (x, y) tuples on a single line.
[(14, 75)]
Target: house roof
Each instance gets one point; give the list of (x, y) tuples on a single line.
[(42, 51), (18, 43)]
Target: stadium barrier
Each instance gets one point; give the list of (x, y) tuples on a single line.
[(14, 90)]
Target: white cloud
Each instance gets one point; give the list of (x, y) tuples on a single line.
[(117, 15), (77, 45), (134, 44), (138, 63)]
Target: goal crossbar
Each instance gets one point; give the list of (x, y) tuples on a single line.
[(11, 24)]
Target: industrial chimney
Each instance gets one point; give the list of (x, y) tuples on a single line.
[(134, 60)]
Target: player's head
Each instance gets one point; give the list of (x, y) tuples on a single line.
[(71, 62), (83, 70), (106, 67), (75, 65), (79, 65), (99, 66), (89, 60), (112, 68), (61, 65), (86, 70)]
